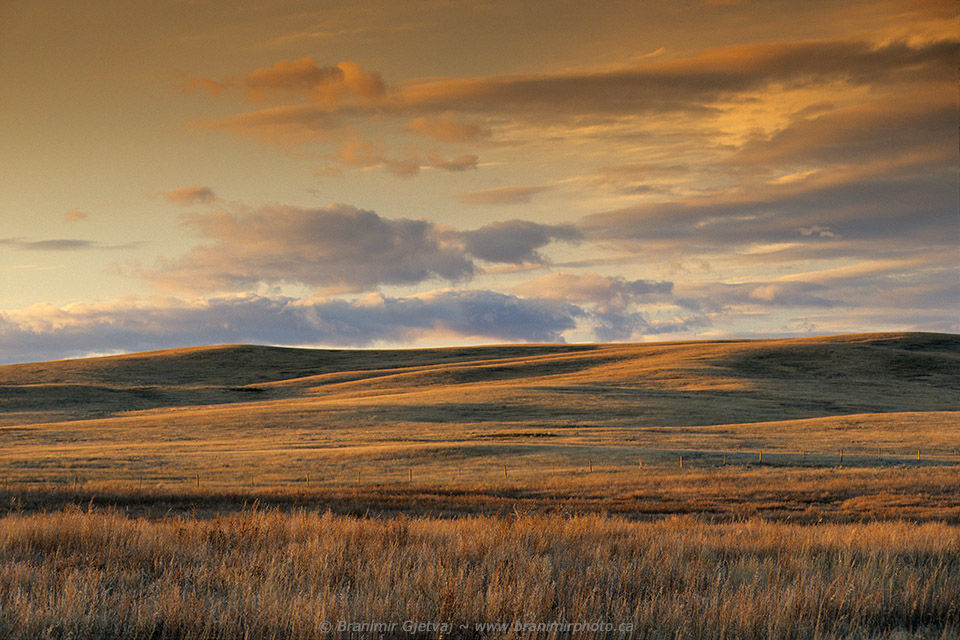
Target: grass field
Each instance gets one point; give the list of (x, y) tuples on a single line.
[(802, 488), (300, 575)]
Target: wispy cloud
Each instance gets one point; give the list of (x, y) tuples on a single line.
[(63, 244), (447, 129), (190, 195), (686, 84), (607, 293), (501, 195)]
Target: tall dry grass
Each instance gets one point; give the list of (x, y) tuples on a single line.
[(257, 574)]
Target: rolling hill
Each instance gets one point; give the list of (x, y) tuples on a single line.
[(661, 383), (268, 416)]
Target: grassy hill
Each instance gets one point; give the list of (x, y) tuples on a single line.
[(752, 489), (664, 383), (259, 417)]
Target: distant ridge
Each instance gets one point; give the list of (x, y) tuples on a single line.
[(697, 382)]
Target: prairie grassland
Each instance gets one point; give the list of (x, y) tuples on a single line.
[(170, 456), (797, 495), (256, 574), (250, 492), (262, 417)]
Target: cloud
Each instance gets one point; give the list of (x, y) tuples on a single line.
[(606, 292), (302, 79), (403, 168), (447, 129), (707, 83), (501, 195), (286, 125), (341, 247), (301, 76), (62, 244), (358, 152), (856, 134), (191, 84), (75, 215), (366, 84), (611, 304), (190, 195), (45, 332), (777, 295), (909, 196), (514, 241), (459, 163), (337, 246), (688, 83)]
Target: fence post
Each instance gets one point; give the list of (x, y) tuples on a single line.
[(760, 456), (504, 471), (681, 463), (841, 456)]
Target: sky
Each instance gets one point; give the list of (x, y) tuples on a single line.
[(446, 172)]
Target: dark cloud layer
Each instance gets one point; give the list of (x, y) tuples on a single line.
[(341, 247), (336, 246), (691, 82), (515, 241), (857, 134), (913, 198), (46, 333)]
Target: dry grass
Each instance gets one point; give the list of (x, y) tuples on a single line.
[(806, 495), (496, 484), (271, 575), (254, 416)]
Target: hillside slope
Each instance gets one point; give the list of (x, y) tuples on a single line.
[(688, 383)]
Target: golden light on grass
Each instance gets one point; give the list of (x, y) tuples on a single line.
[(716, 489)]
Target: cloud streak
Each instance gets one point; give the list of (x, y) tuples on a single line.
[(501, 196), (690, 85), (62, 244)]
